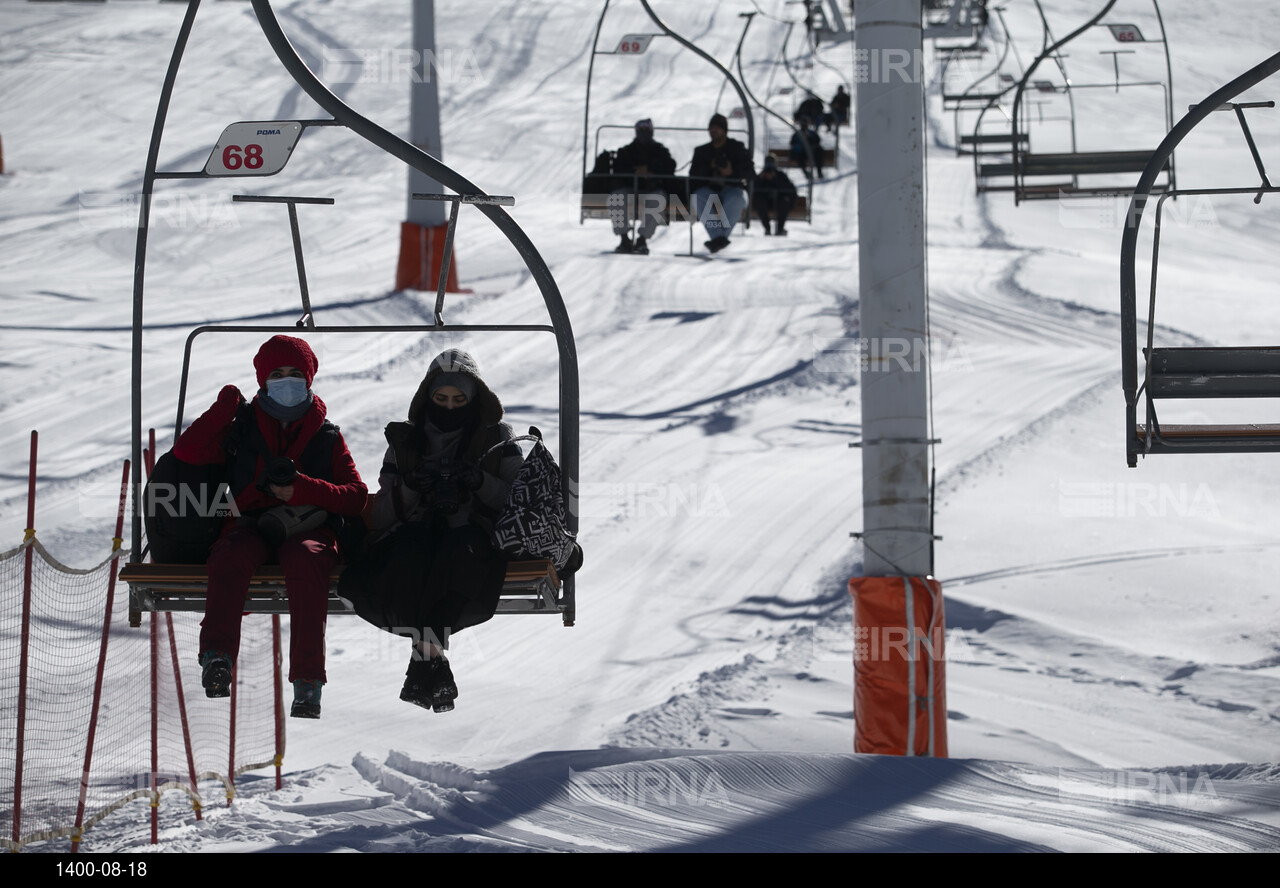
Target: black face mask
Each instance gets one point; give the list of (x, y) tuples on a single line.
[(447, 420)]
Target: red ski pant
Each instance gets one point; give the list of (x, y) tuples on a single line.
[(307, 560)]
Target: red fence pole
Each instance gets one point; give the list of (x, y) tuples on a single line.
[(28, 540), (182, 714), (278, 702), (116, 542)]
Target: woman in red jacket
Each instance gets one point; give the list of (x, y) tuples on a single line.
[(290, 473)]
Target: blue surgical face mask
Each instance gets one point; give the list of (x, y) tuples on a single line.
[(287, 392)]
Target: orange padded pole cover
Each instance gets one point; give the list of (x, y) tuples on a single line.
[(421, 254), (899, 687)]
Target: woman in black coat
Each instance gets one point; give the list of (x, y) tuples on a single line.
[(431, 569)]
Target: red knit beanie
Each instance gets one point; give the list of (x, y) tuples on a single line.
[(285, 351)]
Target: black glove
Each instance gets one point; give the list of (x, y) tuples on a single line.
[(423, 478), (470, 477)]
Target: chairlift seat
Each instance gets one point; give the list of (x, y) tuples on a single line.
[(992, 139), (952, 100), (1084, 163), (783, 157), (530, 587), (1213, 372), (1208, 438), (799, 211)]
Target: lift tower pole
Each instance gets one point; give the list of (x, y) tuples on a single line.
[(898, 688), (423, 236)]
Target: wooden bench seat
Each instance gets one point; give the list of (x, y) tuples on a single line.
[(531, 587), (799, 211), (783, 158), (1242, 430)]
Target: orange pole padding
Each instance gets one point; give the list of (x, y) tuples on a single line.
[(899, 659), (421, 255)]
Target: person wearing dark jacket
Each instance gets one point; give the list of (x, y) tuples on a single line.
[(431, 569), (774, 196), (839, 110), (290, 472), (641, 166), (806, 148), (719, 175)]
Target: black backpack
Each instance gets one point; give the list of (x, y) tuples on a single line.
[(532, 524), (185, 505), (183, 509)]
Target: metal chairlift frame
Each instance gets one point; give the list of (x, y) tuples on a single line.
[(1074, 164), (1196, 372), (687, 44), (964, 20), (769, 112), (825, 23), (980, 142), (541, 593)]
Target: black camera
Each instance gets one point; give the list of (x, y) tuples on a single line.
[(280, 471)]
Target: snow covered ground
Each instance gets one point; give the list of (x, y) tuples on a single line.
[(1114, 640)]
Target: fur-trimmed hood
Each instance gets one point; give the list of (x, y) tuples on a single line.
[(455, 360)]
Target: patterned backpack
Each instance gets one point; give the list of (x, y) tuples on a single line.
[(532, 523)]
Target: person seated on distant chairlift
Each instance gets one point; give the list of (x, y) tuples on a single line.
[(806, 148), (774, 196), (641, 192), (718, 176)]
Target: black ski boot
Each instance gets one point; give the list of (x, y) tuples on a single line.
[(306, 698), (444, 690), (417, 683), (215, 674)]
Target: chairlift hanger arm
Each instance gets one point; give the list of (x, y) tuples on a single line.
[(751, 127)]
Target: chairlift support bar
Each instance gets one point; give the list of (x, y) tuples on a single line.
[(307, 320), (1149, 438)]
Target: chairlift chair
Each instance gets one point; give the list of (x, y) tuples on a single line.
[(530, 587), (1032, 174), (597, 187), (1181, 373)]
